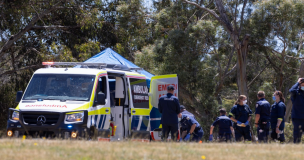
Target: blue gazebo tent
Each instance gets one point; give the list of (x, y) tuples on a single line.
[(111, 57)]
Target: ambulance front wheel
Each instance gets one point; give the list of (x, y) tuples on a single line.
[(93, 133)]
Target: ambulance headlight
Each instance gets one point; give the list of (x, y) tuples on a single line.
[(15, 116), (74, 117)]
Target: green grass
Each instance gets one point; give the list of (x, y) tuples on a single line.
[(41, 149)]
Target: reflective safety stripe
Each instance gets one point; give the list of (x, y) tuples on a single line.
[(139, 122), (231, 114), (134, 75), (100, 111), (83, 107), (155, 119), (17, 107), (160, 126), (280, 119), (74, 112), (164, 76), (142, 112), (139, 81), (223, 117)]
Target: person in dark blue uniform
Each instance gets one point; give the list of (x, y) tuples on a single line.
[(225, 127), (297, 112), (192, 126), (241, 114), (169, 107), (277, 121), (183, 133), (262, 117)]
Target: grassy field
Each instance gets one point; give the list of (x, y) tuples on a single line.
[(41, 149)]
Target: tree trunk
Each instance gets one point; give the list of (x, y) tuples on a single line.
[(241, 66), (289, 104)]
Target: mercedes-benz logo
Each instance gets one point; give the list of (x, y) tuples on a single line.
[(41, 119)]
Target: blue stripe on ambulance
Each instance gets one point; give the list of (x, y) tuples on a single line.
[(144, 123), (103, 121), (100, 121)]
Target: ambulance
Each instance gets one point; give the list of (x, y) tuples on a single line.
[(74, 100)]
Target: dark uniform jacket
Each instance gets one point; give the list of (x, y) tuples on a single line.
[(278, 111), (169, 107), (297, 98), (240, 113), (187, 122), (224, 123), (263, 108)]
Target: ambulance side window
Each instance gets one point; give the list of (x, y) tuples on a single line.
[(139, 93), (101, 87)]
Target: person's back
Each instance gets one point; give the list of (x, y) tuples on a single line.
[(263, 108), (262, 117), (168, 107), (225, 126)]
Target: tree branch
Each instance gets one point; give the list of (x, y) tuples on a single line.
[(54, 27), (242, 15), (14, 38), (232, 70), (217, 17), (257, 75), (24, 68)]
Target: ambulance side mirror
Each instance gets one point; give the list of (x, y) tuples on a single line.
[(19, 96), (101, 98)]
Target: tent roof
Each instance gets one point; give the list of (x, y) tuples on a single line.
[(111, 57)]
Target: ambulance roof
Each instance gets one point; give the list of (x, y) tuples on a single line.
[(84, 71)]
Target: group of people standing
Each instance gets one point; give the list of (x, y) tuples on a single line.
[(269, 119)]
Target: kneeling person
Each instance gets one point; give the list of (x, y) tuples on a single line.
[(225, 127), (192, 126)]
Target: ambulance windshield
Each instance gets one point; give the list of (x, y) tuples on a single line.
[(62, 87)]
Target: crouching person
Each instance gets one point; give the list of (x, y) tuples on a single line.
[(225, 127), (192, 127)]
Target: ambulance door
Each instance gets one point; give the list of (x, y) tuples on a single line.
[(99, 115), (140, 111), (158, 88)]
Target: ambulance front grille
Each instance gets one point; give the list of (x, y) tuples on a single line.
[(32, 118)]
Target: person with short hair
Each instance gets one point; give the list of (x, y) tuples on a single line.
[(278, 110), (169, 107), (262, 117), (297, 112), (240, 113), (225, 127)]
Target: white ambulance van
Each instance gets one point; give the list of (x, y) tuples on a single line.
[(93, 100)]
